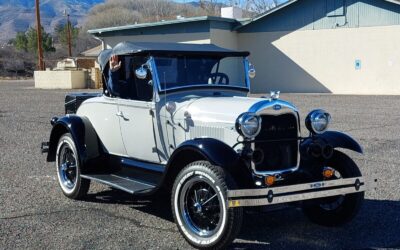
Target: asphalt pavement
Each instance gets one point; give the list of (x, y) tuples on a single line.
[(34, 213)]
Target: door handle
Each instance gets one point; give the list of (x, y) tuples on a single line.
[(120, 114)]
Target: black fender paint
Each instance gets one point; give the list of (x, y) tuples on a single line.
[(216, 152), (337, 140), (82, 132)]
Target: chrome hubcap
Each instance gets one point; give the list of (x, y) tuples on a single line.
[(198, 208)]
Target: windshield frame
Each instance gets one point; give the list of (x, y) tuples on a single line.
[(245, 88)]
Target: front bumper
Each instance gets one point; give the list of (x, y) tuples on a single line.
[(299, 192)]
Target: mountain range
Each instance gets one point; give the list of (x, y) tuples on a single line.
[(18, 15)]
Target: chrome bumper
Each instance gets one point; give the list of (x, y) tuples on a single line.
[(299, 192)]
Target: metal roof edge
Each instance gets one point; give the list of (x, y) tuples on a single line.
[(167, 22), (267, 13), (281, 6), (393, 1)]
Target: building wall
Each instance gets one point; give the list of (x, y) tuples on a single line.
[(325, 60), (224, 38), (327, 14), (189, 32), (60, 79)]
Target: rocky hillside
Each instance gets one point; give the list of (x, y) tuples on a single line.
[(18, 15)]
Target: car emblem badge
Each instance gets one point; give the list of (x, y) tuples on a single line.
[(317, 185), (277, 107)]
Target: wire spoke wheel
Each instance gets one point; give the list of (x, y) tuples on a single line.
[(67, 166), (69, 169), (340, 209), (201, 207)]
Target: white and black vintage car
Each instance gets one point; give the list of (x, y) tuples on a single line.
[(177, 117)]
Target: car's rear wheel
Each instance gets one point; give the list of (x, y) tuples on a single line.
[(337, 210), (200, 209), (69, 169)]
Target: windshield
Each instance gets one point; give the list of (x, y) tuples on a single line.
[(188, 71)]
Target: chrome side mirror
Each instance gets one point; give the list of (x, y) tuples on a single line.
[(141, 73), (252, 71)]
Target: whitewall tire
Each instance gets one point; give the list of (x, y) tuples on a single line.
[(199, 206), (69, 169)]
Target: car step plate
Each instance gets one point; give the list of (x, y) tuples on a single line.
[(120, 182)]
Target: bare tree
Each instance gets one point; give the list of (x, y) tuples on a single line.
[(123, 12), (260, 6), (16, 63), (211, 7)]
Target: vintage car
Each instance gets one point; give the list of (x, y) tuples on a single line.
[(177, 117)]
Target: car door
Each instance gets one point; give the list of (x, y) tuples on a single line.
[(136, 112), (138, 129), (102, 113)]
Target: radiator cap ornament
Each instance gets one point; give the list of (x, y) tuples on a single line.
[(275, 95)]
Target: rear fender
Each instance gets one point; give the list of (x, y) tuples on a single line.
[(85, 137)]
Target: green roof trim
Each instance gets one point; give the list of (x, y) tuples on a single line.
[(167, 22)]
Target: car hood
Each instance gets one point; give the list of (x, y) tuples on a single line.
[(217, 109)]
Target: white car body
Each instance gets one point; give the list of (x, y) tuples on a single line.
[(178, 116)]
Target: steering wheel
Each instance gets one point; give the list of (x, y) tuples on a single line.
[(222, 78)]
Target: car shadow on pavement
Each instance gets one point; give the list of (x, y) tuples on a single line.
[(157, 204), (376, 226)]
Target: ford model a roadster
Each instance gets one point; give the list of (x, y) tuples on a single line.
[(177, 117)]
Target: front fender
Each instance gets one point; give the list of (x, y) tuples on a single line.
[(216, 152), (340, 140), (83, 134)]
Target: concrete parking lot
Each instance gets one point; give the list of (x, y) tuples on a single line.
[(35, 214)]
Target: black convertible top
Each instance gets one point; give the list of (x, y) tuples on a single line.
[(126, 48)]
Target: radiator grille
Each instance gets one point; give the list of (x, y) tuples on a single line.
[(281, 154)]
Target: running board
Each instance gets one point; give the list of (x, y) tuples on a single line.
[(120, 182)]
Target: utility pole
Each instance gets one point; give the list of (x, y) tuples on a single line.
[(69, 34), (39, 37)]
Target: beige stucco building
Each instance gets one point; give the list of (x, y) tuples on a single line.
[(306, 46)]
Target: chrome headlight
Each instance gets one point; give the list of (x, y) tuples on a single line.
[(248, 125), (317, 121)]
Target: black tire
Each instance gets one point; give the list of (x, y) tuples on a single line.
[(192, 214), (338, 210), (69, 169)]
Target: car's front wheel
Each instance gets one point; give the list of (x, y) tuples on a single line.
[(199, 206), (337, 210), (69, 169)]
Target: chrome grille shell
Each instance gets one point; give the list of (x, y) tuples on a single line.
[(276, 108)]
